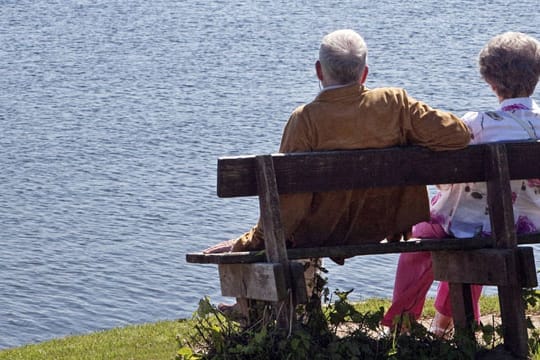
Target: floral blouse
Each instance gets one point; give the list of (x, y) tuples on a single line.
[(462, 208)]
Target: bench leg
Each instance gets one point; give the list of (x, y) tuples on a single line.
[(462, 308), (243, 307), (513, 320)]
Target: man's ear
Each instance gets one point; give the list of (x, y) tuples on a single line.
[(364, 75), (318, 69)]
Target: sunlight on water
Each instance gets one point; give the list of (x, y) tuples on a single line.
[(113, 115)]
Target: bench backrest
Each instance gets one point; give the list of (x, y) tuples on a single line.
[(339, 170)]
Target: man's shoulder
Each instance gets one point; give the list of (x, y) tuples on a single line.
[(386, 92), (299, 110), (338, 94)]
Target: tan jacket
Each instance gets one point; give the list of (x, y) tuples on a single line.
[(355, 117)]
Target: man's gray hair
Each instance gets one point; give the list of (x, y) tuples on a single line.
[(343, 55), (510, 62)]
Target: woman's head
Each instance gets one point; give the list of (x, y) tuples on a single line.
[(343, 56), (510, 63)]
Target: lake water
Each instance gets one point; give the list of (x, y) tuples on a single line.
[(113, 114)]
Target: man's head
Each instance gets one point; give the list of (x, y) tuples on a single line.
[(510, 63), (342, 58)]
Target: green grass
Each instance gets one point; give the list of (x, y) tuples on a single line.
[(149, 341), (157, 341), (488, 305)]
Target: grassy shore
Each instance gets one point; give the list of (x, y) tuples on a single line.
[(155, 341), (148, 341)]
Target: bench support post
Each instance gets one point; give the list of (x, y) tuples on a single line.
[(503, 232), (462, 308), (274, 235)]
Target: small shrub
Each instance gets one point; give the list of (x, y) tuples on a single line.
[(330, 327)]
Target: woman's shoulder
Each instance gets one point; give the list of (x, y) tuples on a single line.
[(477, 116), (471, 116)]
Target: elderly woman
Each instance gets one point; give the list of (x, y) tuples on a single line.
[(510, 65)]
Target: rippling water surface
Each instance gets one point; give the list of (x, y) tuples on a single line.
[(113, 113)]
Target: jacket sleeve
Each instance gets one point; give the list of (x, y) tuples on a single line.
[(296, 138), (294, 207), (432, 128), (296, 134)]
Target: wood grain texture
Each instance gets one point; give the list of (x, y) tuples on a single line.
[(274, 234), (527, 267), (501, 214), (260, 281), (484, 266), (462, 310), (335, 170), (358, 250)]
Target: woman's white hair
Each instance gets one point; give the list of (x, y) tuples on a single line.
[(343, 55)]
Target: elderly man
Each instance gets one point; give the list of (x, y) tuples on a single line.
[(348, 115)]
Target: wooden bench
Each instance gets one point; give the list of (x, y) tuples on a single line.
[(497, 260)]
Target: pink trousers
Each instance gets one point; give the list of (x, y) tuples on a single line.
[(414, 277)]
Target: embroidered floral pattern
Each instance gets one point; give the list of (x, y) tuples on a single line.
[(494, 115), (524, 225), (435, 198), (533, 183), (513, 107), (461, 209)]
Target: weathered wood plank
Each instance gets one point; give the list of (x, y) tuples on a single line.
[(485, 266), (274, 234), (499, 198), (388, 248), (260, 281), (521, 155), (503, 231), (527, 267), (525, 239), (335, 170), (358, 250), (349, 251), (298, 282), (462, 310), (513, 321)]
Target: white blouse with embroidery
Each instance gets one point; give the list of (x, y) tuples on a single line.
[(462, 208)]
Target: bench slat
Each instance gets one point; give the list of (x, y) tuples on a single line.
[(484, 266), (260, 281), (337, 170), (344, 251), (523, 161), (366, 249)]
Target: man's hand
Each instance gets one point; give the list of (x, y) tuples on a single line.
[(225, 246)]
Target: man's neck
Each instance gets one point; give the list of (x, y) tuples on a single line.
[(330, 87)]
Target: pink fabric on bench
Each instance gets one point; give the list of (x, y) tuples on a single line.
[(414, 277)]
